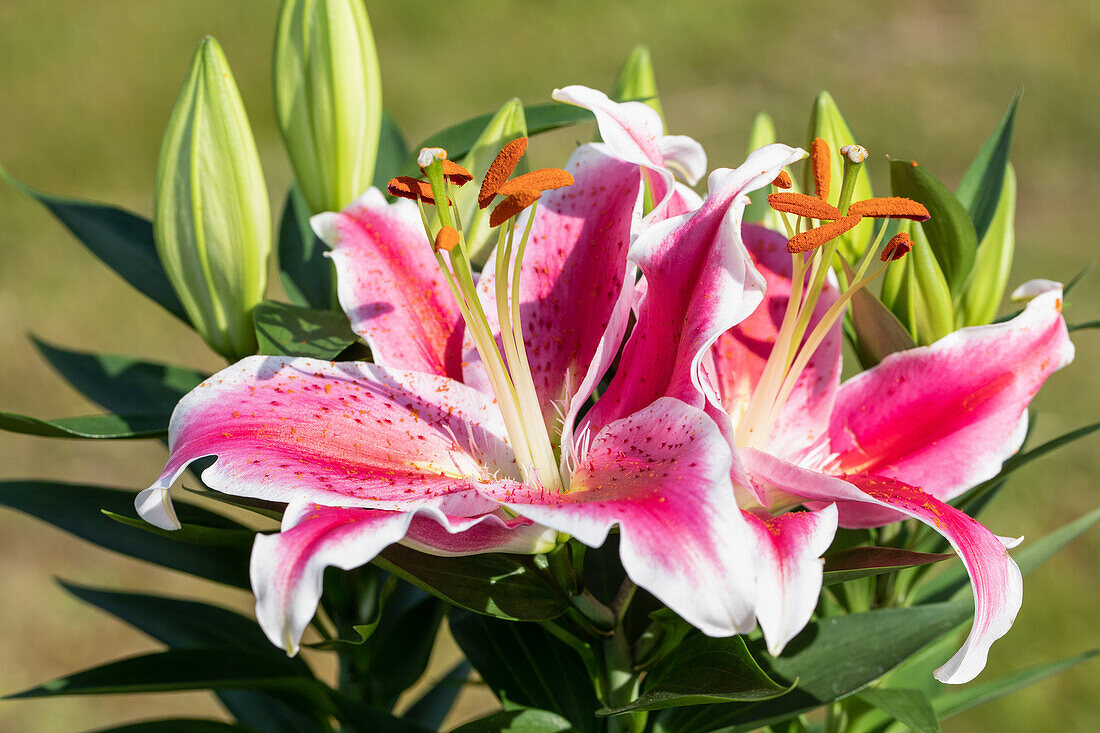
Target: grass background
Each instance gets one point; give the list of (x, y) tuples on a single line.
[(86, 88)]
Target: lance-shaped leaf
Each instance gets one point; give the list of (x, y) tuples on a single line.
[(432, 707), (950, 232), (982, 297), (393, 151), (212, 219), (637, 80), (980, 188), (524, 720), (910, 707), (860, 562), (106, 427), (306, 274), (288, 330), (123, 241), (328, 98)]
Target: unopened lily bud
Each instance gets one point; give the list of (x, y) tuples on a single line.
[(328, 98), (637, 81), (212, 221), (983, 295), (919, 297)]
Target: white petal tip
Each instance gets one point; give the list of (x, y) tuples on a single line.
[(1033, 289), (154, 505)]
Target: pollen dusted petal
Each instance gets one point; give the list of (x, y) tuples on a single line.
[(783, 180), (447, 239), (512, 205), (821, 159), (899, 245), (816, 237), (803, 205), (893, 207), (502, 166), (544, 179), (407, 187)]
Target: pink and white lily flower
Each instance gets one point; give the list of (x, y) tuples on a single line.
[(458, 450), (896, 441)]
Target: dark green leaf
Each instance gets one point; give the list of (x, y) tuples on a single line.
[(121, 384), (526, 665), (393, 151), (950, 232), (178, 725), (76, 508), (980, 187), (879, 331), (106, 427), (397, 653), (704, 670), (290, 330), (860, 562), (830, 659), (1078, 278), (519, 721), (1083, 326), (505, 586), (123, 241), (909, 707), (270, 509), (192, 534), (432, 707), (306, 274), (458, 139)]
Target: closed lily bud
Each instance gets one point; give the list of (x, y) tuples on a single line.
[(328, 98), (916, 291), (637, 80), (762, 133), (983, 295), (212, 220)]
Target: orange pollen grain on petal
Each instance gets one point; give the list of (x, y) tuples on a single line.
[(803, 205), (898, 246), (447, 239), (502, 166), (814, 238), (544, 179), (512, 205), (783, 180), (893, 207), (407, 187), (821, 160)]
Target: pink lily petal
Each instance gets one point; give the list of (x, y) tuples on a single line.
[(287, 567), (995, 578), (700, 282), (945, 417), (390, 285), (684, 155), (662, 476), (789, 570), (741, 353), (339, 434)]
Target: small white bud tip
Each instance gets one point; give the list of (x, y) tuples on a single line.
[(427, 155), (856, 153)]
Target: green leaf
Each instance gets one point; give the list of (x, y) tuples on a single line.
[(982, 298), (980, 188), (526, 665), (1030, 556), (927, 298), (879, 331), (1086, 325), (704, 670), (270, 509), (106, 427), (393, 151), (121, 384), (761, 133), (830, 659), (910, 707), (432, 707), (178, 725), (290, 330), (860, 562), (528, 720), (950, 232), (307, 276), (75, 508), (1072, 284), (123, 241), (505, 586), (192, 534), (458, 139)]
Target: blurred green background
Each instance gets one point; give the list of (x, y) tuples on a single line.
[(86, 88)]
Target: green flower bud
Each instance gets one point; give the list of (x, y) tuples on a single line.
[(328, 98), (916, 290), (211, 217), (762, 133), (983, 295), (827, 123), (637, 80)]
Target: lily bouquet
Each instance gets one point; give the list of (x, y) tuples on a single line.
[(595, 419)]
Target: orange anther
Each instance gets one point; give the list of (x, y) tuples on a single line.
[(814, 238), (803, 205), (447, 239), (544, 179), (454, 173), (821, 159), (782, 180), (893, 207), (898, 246), (512, 205), (502, 166), (407, 187)]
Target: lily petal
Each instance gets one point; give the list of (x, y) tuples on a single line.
[(945, 417), (339, 434), (789, 570), (662, 476), (391, 287), (995, 578), (684, 155)]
